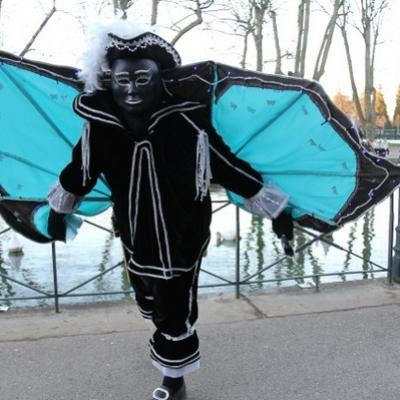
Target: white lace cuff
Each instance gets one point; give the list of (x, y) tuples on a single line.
[(62, 201), (268, 202)]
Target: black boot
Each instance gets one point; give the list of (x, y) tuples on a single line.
[(171, 389)]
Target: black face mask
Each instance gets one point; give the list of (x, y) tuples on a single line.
[(136, 85)]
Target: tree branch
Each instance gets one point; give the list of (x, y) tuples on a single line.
[(322, 57), (343, 28), (198, 21), (40, 28)]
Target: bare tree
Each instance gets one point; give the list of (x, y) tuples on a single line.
[(1, 32), (323, 52), (196, 8), (371, 13), (278, 64), (250, 17), (303, 25), (369, 16), (154, 11), (343, 25), (243, 25), (39, 29), (122, 5), (260, 10)]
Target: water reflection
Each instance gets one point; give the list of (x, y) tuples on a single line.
[(15, 261), (248, 241), (315, 259), (368, 234), (102, 283), (297, 268), (315, 265), (280, 268), (350, 247), (260, 245), (125, 282), (259, 248), (6, 288)]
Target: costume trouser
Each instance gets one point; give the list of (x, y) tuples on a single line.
[(172, 306)]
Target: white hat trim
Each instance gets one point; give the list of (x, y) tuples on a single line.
[(94, 62)]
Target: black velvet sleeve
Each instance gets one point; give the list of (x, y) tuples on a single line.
[(230, 171), (72, 176)]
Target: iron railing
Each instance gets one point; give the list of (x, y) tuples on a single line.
[(238, 282)]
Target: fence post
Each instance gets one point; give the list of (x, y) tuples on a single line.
[(55, 280), (395, 274), (390, 240), (237, 252)]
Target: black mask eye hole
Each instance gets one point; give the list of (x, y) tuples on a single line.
[(123, 81), (143, 79)]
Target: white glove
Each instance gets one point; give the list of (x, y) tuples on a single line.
[(269, 202)]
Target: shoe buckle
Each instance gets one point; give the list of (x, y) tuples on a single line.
[(163, 391)]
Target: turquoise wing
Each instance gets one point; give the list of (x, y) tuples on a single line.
[(38, 129), (290, 131)]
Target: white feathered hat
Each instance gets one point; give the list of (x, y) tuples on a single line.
[(122, 38)]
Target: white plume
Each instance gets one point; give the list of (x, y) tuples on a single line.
[(94, 61)]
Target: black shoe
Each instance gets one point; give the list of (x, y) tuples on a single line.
[(163, 393)]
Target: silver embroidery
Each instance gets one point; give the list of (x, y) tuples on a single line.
[(184, 336), (85, 148), (203, 163), (142, 43), (203, 166)]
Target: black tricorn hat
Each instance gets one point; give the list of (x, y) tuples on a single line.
[(146, 45)]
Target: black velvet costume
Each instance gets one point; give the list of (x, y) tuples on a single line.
[(163, 221)]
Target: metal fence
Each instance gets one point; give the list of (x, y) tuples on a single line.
[(238, 282), (389, 133)]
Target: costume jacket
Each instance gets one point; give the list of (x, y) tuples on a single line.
[(158, 179)]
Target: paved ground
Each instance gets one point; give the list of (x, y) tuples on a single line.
[(294, 344)]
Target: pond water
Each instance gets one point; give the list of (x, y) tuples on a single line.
[(95, 250)]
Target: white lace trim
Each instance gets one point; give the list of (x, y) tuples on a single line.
[(145, 41), (94, 60), (268, 202), (203, 166), (203, 162), (177, 372), (85, 149), (184, 336), (62, 201)]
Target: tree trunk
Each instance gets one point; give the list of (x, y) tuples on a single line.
[(370, 22), (116, 6), (41, 27), (303, 25), (368, 88), (300, 33), (154, 11), (245, 48), (259, 13), (305, 37), (189, 27), (356, 98), (278, 65), (322, 57), (1, 32)]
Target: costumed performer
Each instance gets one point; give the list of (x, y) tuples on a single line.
[(158, 156)]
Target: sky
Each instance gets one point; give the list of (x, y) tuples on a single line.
[(63, 40)]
